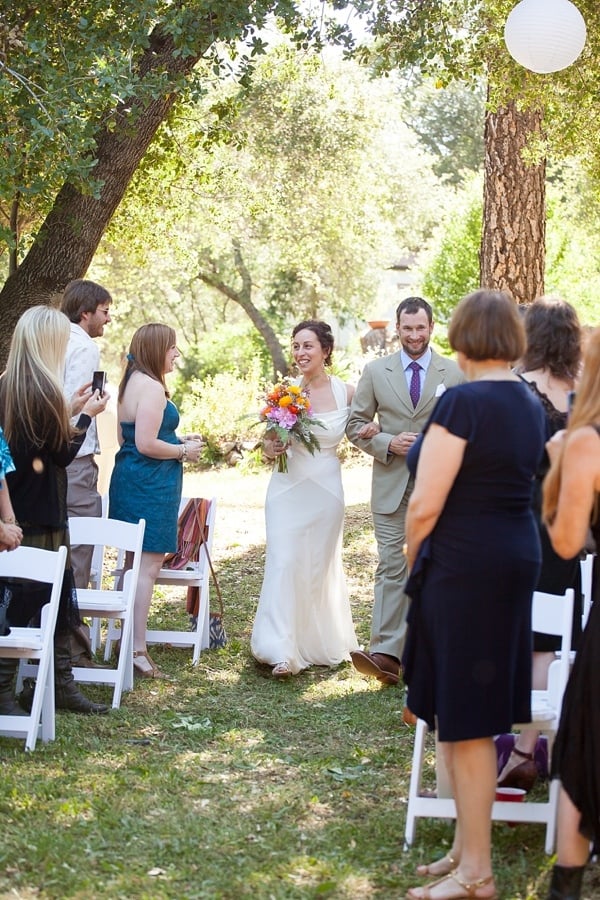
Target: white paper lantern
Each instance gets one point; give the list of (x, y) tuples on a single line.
[(545, 35)]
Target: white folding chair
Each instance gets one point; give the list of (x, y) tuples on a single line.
[(46, 567), (195, 574), (114, 605), (551, 614), (96, 572), (587, 573)]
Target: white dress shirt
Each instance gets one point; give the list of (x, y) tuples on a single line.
[(82, 360)]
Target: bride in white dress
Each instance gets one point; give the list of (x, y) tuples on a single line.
[(303, 616)]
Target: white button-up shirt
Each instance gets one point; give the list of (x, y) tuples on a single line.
[(82, 360)]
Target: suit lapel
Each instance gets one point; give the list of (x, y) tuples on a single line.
[(397, 380), (433, 379)]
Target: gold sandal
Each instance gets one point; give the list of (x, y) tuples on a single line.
[(143, 671), (470, 889), (444, 866)]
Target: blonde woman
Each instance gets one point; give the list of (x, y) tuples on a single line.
[(147, 478), (36, 420), (571, 491)]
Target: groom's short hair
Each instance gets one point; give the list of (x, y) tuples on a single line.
[(411, 305)]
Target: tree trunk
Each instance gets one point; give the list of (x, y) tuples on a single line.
[(513, 244), (69, 237), (243, 297)]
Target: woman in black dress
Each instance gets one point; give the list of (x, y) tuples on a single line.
[(571, 494), (474, 553), (36, 419), (550, 367)]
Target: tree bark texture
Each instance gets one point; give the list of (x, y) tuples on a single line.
[(513, 244), (70, 234)]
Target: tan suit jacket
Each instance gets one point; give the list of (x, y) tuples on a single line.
[(382, 395)]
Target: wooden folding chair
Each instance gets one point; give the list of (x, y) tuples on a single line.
[(46, 567), (551, 614)]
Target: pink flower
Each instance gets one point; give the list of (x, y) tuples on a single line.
[(283, 417)]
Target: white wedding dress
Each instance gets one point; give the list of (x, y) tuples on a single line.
[(303, 616)]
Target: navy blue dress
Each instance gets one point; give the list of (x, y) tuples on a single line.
[(467, 660), (145, 488)]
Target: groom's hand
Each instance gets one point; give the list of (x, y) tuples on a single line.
[(401, 443)]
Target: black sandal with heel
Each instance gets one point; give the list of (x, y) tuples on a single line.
[(523, 775)]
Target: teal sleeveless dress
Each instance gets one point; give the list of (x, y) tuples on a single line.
[(145, 488)]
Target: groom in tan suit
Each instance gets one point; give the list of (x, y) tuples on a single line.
[(399, 392)]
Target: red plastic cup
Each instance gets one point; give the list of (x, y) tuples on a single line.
[(510, 795)]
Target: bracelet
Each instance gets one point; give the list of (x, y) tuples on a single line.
[(184, 455), (9, 521)]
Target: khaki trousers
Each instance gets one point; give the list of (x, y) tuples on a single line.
[(388, 626), (83, 499)]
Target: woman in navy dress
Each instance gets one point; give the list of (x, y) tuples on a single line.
[(147, 478), (474, 555)]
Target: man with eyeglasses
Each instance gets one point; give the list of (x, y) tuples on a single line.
[(87, 306)]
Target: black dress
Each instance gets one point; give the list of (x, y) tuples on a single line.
[(576, 754), (38, 491), (467, 660), (557, 574)]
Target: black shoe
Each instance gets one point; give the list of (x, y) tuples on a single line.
[(566, 883)]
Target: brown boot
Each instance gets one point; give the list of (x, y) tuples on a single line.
[(68, 696), (8, 705)]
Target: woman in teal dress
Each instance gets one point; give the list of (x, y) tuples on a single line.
[(147, 478)]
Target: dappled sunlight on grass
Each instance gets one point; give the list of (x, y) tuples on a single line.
[(224, 783), (328, 688)]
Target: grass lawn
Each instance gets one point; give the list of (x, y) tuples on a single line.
[(224, 783)]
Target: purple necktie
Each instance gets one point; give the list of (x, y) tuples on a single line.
[(415, 382)]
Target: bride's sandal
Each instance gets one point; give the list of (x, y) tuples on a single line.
[(440, 867), (470, 890), (281, 670), (145, 667)]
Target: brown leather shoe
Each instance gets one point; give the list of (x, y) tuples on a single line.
[(377, 665), (408, 716)]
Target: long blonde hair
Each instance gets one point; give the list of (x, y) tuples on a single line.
[(34, 408), (586, 411)]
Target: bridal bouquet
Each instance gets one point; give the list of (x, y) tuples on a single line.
[(288, 412)]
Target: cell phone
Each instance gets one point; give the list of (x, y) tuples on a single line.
[(99, 382)]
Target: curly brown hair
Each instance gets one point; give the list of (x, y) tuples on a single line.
[(553, 338)]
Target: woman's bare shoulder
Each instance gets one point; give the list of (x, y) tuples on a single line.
[(582, 445)]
